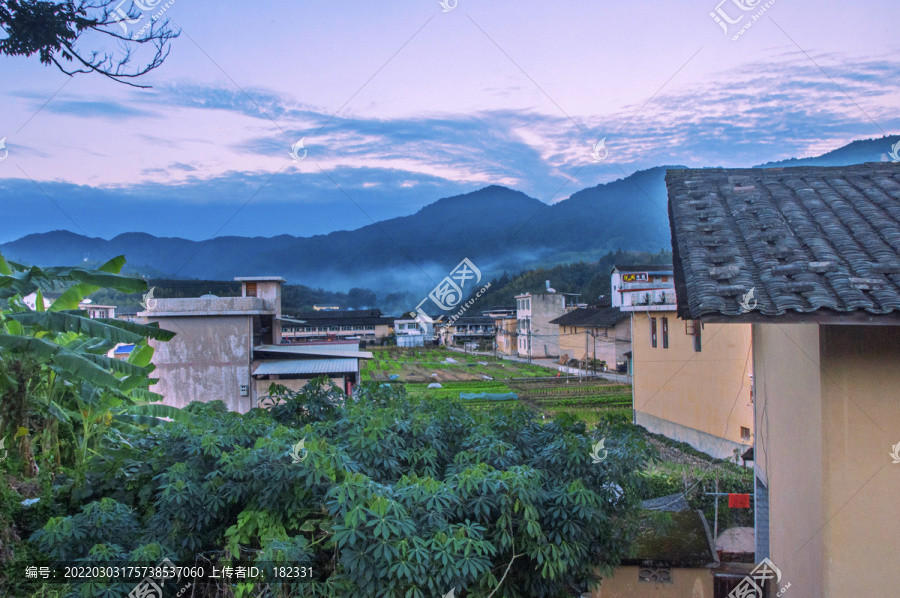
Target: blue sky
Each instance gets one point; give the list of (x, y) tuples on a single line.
[(400, 104)]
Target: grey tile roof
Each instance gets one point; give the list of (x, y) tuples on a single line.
[(809, 240), (307, 366), (592, 317)]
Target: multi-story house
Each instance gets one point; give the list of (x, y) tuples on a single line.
[(536, 337), (691, 380), (231, 348)]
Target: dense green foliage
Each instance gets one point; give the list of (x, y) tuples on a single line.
[(393, 497), (56, 378)]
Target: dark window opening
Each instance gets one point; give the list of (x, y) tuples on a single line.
[(665, 333), (653, 332)]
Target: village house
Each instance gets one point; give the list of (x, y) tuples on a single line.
[(367, 325), (536, 336), (231, 348), (415, 330), (809, 257), (595, 336), (506, 337), (691, 380), (470, 329)]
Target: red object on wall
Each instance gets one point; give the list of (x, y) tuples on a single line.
[(739, 501)]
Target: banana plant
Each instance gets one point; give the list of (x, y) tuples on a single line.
[(54, 367)]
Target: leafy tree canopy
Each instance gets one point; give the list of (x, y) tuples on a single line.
[(72, 35), (388, 496)]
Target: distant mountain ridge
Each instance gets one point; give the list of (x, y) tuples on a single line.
[(497, 228)]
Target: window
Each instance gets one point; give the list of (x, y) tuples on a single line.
[(251, 289), (745, 433), (698, 341), (665, 333), (653, 332)]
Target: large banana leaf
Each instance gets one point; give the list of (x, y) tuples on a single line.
[(151, 415), (72, 362), (55, 321), (145, 330), (118, 365), (107, 276)]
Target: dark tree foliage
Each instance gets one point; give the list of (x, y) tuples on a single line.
[(392, 497), (72, 35)]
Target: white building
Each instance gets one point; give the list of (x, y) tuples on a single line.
[(643, 288)]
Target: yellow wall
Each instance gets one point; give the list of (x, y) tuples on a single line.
[(506, 335), (610, 348), (686, 583), (828, 411), (696, 397)]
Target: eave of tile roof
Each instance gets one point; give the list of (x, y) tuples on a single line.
[(814, 243), (594, 317), (644, 268)]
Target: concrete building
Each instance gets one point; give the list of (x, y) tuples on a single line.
[(650, 286), (367, 325), (820, 250), (220, 343), (470, 329), (414, 330), (691, 380), (536, 336), (595, 336)]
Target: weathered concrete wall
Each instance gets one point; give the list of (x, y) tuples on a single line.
[(209, 359), (703, 394)]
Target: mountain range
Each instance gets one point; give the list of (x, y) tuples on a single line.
[(497, 228)]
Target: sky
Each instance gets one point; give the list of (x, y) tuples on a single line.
[(399, 104)]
